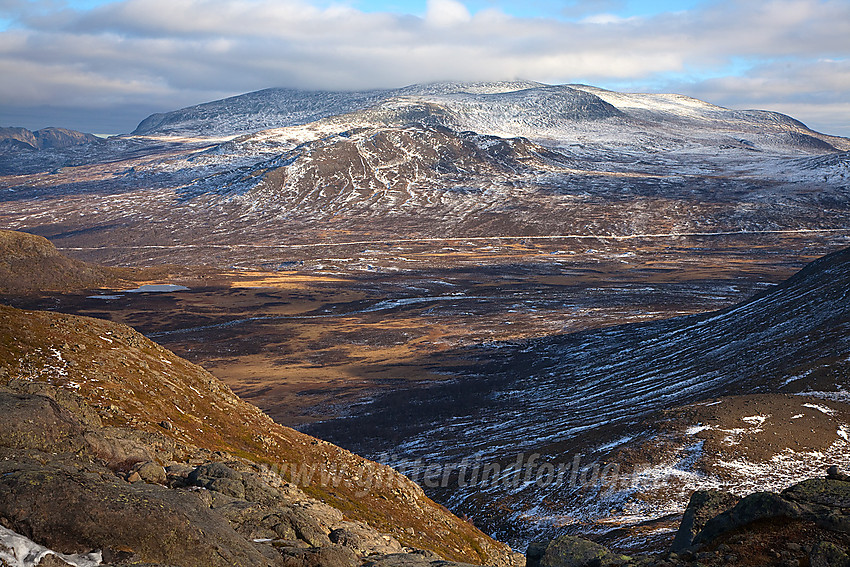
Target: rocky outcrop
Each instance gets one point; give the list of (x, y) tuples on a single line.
[(571, 551), (703, 506), (58, 490), (807, 524)]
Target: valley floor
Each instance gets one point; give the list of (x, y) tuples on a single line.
[(320, 334)]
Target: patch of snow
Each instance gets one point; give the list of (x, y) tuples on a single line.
[(104, 297), (734, 435), (694, 429), (615, 443), (820, 408), (839, 396), (756, 420), (798, 416), (19, 551)]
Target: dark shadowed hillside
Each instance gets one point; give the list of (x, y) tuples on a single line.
[(596, 392)]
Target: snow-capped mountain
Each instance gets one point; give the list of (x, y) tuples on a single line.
[(507, 109), (439, 160), (277, 108)]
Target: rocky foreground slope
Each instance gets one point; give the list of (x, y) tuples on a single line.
[(112, 444)]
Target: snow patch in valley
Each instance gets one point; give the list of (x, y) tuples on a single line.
[(756, 420), (820, 408)]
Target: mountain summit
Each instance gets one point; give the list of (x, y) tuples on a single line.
[(518, 108)]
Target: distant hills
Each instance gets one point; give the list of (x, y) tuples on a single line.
[(12, 139)]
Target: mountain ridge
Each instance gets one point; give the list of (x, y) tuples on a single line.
[(18, 139), (552, 107)]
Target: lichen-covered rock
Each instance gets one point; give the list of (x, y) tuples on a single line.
[(363, 539), (38, 422), (76, 511), (413, 559), (151, 472), (571, 551), (319, 557), (826, 554), (820, 491), (703, 506), (757, 506)]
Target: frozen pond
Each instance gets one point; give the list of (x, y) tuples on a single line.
[(157, 288)]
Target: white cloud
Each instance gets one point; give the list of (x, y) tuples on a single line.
[(604, 19), (446, 13), (174, 52)]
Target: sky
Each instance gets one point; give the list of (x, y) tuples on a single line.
[(102, 66)]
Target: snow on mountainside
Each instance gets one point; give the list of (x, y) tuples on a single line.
[(439, 160), (260, 110), (277, 176), (595, 393), (276, 108), (572, 113)]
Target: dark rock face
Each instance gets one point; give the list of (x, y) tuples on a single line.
[(818, 492), (76, 511), (416, 559), (808, 524), (703, 506), (827, 554), (74, 506), (755, 507)]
